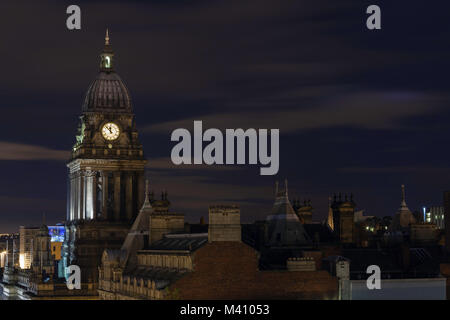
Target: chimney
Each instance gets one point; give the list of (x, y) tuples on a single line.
[(224, 223)]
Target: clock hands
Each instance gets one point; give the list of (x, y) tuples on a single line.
[(113, 131)]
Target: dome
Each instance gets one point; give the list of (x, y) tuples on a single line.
[(107, 93)]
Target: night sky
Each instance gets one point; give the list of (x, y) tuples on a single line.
[(358, 111)]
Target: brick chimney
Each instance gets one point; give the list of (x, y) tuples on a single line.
[(224, 223)]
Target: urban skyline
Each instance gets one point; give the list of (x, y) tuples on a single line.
[(225, 151), (361, 127)]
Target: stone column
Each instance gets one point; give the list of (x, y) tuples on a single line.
[(72, 198), (89, 192), (129, 196), (117, 196), (82, 197), (68, 198), (105, 194), (94, 194), (140, 190), (77, 196)]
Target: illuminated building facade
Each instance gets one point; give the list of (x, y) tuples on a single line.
[(434, 215), (106, 173), (26, 236)]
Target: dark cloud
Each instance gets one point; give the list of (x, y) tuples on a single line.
[(373, 103), (15, 151)]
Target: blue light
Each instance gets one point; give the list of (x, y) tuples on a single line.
[(56, 233)]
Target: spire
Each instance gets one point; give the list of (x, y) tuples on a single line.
[(146, 201), (403, 203), (107, 38), (330, 214), (106, 61), (286, 187)]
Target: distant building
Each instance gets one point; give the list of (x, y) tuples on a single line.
[(406, 274), (304, 210), (213, 265), (330, 220), (27, 235), (360, 217), (404, 217), (423, 233), (434, 215), (344, 218), (6, 245), (38, 279), (447, 219), (27, 243), (284, 226)]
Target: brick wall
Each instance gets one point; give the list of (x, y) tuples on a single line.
[(229, 270)]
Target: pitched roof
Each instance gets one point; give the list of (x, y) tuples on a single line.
[(285, 228)]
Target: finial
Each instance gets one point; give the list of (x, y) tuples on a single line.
[(107, 38), (286, 187), (146, 200), (403, 195)]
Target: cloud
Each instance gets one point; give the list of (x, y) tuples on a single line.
[(397, 170), (26, 152), (165, 163), (367, 110)]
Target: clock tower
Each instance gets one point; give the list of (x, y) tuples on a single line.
[(106, 172)]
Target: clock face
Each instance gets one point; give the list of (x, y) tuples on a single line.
[(110, 131)]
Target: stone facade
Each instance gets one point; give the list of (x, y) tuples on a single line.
[(26, 236), (447, 219)]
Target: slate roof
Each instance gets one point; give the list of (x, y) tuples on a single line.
[(189, 242), (285, 228)]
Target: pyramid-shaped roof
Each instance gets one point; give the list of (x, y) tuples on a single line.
[(285, 228), (135, 239)]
